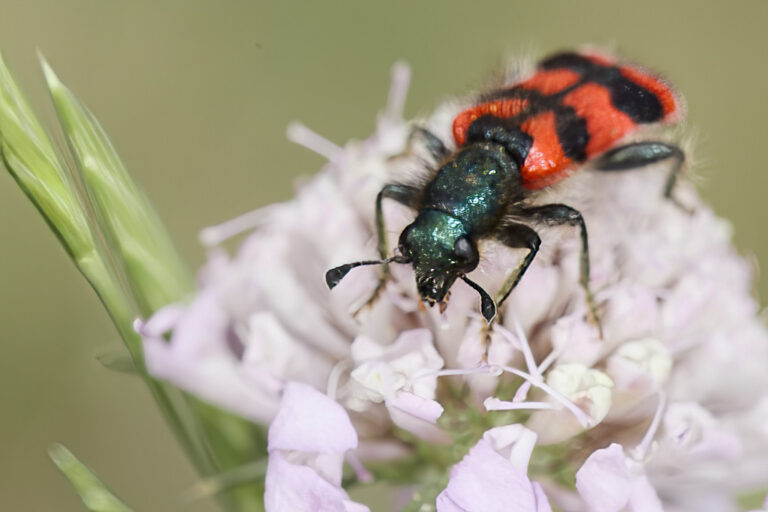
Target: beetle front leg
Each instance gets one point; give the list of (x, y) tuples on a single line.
[(558, 215), (517, 236), (407, 195)]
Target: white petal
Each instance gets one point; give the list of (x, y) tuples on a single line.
[(643, 497), (640, 365), (577, 340), (444, 503), (484, 481), (422, 408), (309, 421), (382, 372), (270, 349), (542, 504), (161, 322), (198, 360), (476, 349), (514, 442), (604, 481), (417, 426), (300, 489), (609, 482)]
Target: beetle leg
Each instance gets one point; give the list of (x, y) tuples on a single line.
[(434, 145), (407, 195), (640, 154), (558, 215), (517, 236)]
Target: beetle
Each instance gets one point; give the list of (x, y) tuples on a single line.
[(513, 142)]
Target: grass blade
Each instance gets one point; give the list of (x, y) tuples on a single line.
[(29, 156), (95, 495), (155, 273)]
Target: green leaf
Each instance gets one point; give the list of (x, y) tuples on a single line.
[(136, 237), (88, 486)]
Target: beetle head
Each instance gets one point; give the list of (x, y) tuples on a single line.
[(440, 250)]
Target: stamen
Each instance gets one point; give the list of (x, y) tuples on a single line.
[(581, 416), (299, 134), (494, 404), (215, 235), (522, 391), (642, 449), (492, 370), (495, 370), (525, 347), (398, 91), (485, 369)]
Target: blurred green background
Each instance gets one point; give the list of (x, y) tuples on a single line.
[(196, 96)]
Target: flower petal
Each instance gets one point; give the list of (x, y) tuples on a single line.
[(208, 369), (604, 481), (297, 488), (608, 481), (309, 421), (416, 406), (484, 481), (492, 476)]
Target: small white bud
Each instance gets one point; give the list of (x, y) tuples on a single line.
[(641, 365), (587, 388)]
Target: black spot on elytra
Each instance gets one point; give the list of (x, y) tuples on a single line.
[(567, 60), (639, 103), (572, 133)]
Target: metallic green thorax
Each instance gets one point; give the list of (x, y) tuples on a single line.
[(474, 187)]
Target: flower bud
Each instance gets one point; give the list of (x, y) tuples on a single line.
[(587, 388)]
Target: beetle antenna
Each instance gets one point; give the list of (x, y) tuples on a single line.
[(336, 274), (488, 307)]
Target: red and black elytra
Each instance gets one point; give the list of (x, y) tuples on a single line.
[(514, 141), (574, 107)]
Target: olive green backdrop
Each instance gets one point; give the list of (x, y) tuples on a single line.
[(196, 96)]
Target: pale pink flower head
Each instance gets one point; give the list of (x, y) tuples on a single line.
[(668, 404)]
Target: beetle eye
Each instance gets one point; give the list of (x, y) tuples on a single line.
[(402, 244), (463, 250)]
